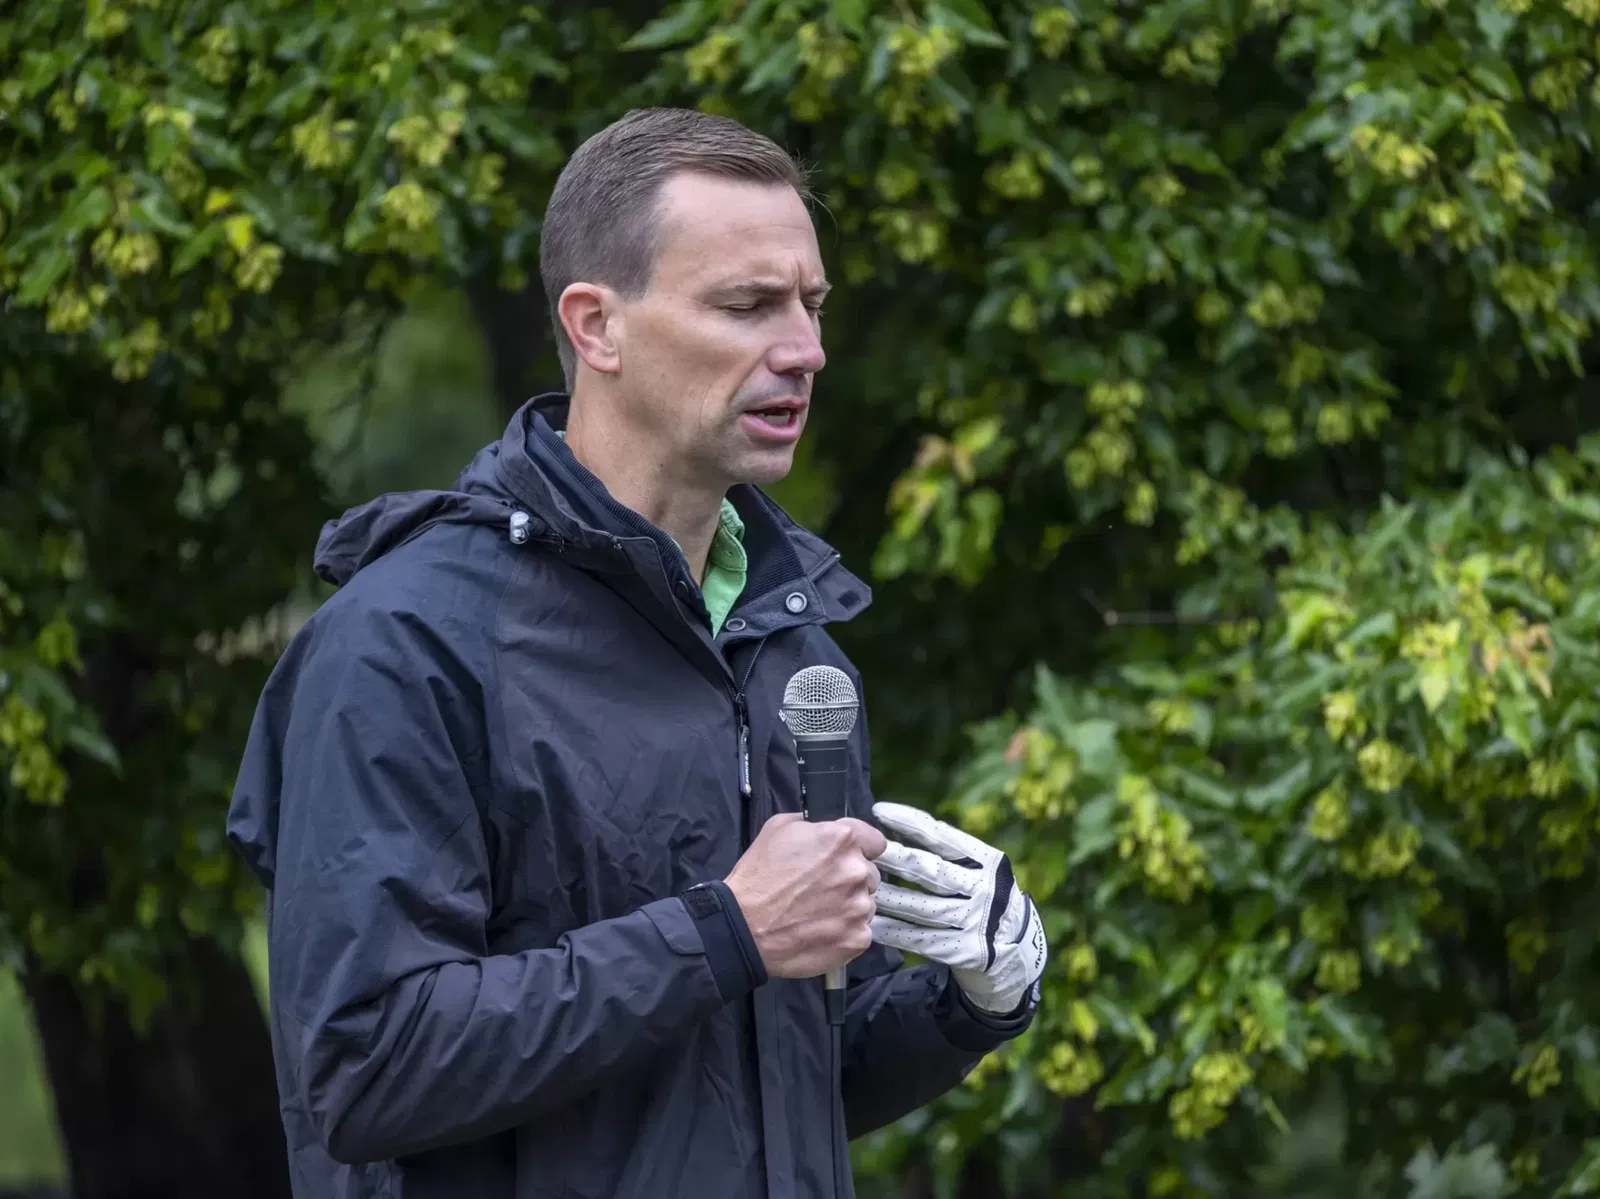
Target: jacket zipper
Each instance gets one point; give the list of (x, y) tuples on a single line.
[(519, 529), (741, 710)]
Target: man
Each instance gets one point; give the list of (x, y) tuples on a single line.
[(544, 920)]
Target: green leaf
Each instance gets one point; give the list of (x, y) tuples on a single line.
[(215, 151), (1385, 626), (1473, 1174), (43, 274), (779, 64), (163, 214), (1198, 1033), (1496, 22), (1095, 743), (1180, 967), (1281, 791), (1377, 542), (1024, 1086), (1461, 864), (879, 64), (1310, 690), (676, 25), (1270, 1003), (851, 14), (42, 68), (969, 18), (1516, 715), (93, 744), (1584, 1177), (1094, 829), (1586, 1066), (1123, 945), (1152, 676), (1585, 612), (1308, 613), (1339, 1021), (1433, 683), (1274, 1113), (90, 209), (197, 248), (1586, 761), (1192, 784), (1490, 1044), (522, 135), (1140, 1080), (1128, 1026)]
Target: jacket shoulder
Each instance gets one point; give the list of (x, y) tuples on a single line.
[(436, 593)]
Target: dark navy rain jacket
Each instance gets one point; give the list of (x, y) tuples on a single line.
[(479, 784)]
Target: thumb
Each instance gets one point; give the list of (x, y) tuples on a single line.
[(868, 839)]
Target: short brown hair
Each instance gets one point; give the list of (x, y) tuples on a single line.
[(602, 222)]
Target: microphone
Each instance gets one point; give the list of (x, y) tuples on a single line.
[(819, 708)]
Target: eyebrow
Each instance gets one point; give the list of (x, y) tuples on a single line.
[(757, 289)]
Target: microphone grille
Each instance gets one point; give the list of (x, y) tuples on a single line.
[(820, 701)]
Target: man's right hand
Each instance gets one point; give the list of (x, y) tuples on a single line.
[(806, 892)]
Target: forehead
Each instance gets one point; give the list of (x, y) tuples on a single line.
[(713, 229)]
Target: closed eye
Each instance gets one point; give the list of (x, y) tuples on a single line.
[(814, 309)]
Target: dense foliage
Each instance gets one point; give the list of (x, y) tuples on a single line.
[(183, 219), (1147, 307)]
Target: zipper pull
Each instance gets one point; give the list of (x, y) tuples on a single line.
[(744, 748)]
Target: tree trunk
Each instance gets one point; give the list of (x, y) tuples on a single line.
[(516, 330), (187, 1110)]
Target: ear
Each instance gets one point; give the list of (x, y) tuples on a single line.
[(588, 314)]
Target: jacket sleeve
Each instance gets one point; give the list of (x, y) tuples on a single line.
[(399, 1031), (910, 1034)]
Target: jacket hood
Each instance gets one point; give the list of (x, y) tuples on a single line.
[(368, 531), (479, 495)]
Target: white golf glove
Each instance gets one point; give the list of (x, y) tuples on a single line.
[(971, 915)]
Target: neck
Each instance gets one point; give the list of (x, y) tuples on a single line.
[(645, 477)]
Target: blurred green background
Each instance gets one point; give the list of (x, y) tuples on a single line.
[(1209, 402)]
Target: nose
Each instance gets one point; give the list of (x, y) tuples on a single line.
[(798, 350)]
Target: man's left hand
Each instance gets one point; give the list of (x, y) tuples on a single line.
[(970, 914)]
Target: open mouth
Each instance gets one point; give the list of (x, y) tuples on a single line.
[(779, 416)]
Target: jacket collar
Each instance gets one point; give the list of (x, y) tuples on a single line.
[(795, 577)]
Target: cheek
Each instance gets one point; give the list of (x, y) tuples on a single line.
[(718, 355), (697, 362)]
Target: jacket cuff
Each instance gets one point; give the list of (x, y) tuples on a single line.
[(730, 949), (970, 1028)]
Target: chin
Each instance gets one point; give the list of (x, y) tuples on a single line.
[(765, 469)]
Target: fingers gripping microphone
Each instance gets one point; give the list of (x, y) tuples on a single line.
[(819, 708)]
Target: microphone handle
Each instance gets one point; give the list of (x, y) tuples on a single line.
[(824, 776), (824, 790)]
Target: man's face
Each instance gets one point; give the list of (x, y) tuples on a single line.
[(716, 359)]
